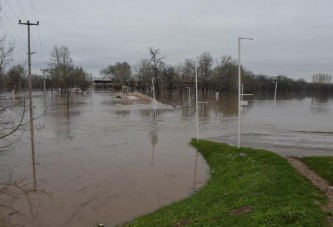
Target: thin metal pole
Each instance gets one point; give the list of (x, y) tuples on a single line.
[(275, 95), (274, 103), (239, 91), (196, 100)]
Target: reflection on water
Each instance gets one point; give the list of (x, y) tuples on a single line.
[(195, 172), (320, 105), (19, 200), (97, 161), (101, 161), (154, 139)]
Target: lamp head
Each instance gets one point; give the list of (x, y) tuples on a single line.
[(245, 38)]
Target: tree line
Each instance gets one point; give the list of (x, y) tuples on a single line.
[(60, 74), (213, 75)]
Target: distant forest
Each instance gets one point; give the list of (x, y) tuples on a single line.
[(213, 75), (220, 75)]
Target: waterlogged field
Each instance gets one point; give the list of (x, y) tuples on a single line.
[(101, 161)]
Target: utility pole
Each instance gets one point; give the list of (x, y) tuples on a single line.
[(30, 103)]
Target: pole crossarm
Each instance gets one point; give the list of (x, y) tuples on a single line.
[(28, 23), (245, 38)]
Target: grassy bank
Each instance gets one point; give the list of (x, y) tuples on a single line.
[(248, 187), (323, 166)]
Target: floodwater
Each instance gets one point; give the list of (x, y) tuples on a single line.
[(298, 125), (103, 162)]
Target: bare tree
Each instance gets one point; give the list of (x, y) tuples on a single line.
[(144, 73), (321, 78), (156, 63), (156, 60), (120, 73), (205, 61), (6, 50), (11, 111), (61, 67), (12, 114), (16, 78), (17, 200), (185, 75), (224, 74)]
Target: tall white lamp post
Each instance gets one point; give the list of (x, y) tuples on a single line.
[(239, 88), (274, 104), (196, 101)]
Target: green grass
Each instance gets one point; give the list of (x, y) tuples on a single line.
[(323, 166), (247, 187)]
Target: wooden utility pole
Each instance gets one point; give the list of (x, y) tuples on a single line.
[(30, 103)]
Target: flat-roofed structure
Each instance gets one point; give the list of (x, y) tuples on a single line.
[(103, 83)]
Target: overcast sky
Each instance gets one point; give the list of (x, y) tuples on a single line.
[(291, 37)]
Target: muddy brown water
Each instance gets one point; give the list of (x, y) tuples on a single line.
[(103, 162)]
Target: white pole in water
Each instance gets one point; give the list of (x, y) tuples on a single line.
[(196, 100), (274, 103), (239, 88)]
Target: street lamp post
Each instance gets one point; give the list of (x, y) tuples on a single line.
[(274, 103), (239, 88), (196, 101)]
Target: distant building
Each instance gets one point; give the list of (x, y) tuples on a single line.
[(103, 83)]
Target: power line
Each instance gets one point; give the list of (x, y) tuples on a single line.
[(40, 44), (18, 35), (39, 37), (33, 9), (21, 41), (38, 56), (22, 9), (11, 9)]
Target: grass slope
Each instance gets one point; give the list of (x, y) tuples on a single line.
[(248, 187), (323, 166)]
